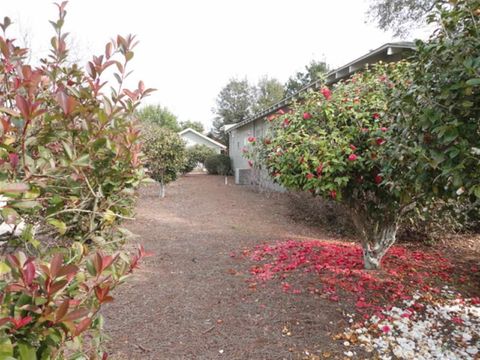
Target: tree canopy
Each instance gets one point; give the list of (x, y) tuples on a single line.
[(159, 115), (268, 92), (313, 71), (400, 16), (195, 125)]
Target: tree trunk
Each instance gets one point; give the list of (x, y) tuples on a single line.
[(377, 236), (382, 238), (162, 189)]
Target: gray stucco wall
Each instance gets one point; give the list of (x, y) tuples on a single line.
[(192, 139)]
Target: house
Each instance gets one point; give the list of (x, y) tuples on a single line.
[(193, 137), (257, 125)]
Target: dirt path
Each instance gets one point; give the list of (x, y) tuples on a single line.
[(191, 300)]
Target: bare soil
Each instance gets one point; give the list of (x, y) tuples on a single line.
[(191, 299)]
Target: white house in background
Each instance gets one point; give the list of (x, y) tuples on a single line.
[(257, 125), (193, 137)]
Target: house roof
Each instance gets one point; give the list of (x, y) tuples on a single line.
[(216, 143), (388, 52)]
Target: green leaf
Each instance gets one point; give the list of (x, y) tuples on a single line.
[(27, 351), (6, 348), (60, 225), (68, 150), (25, 204), (476, 191), (473, 82), (4, 268), (83, 160)]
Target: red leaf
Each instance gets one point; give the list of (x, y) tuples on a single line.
[(82, 326), (55, 265), (61, 311), (66, 102), (24, 106), (29, 272)]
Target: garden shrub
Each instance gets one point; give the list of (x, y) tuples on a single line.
[(70, 154), (439, 111), (337, 144), (391, 139), (45, 307), (219, 164), (69, 163), (197, 154), (165, 154)]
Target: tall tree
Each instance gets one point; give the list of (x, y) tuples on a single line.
[(160, 116), (313, 71), (401, 16), (195, 125), (234, 104), (268, 92)]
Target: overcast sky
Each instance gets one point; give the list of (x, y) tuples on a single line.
[(189, 49)]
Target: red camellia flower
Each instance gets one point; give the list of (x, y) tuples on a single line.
[(281, 111), (384, 129), (309, 176), (307, 115), (378, 179), (326, 93), (244, 150), (380, 141), (319, 169), (386, 329), (251, 139), (376, 116), (271, 117), (250, 163), (286, 122), (353, 147), (333, 194), (352, 157)]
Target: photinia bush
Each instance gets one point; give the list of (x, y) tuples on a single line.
[(342, 145), (45, 307), (70, 149), (70, 156)]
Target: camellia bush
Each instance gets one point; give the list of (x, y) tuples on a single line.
[(69, 163), (339, 145), (165, 154), (391, 138)]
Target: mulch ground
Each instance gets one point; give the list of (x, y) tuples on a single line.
[(199, 296)]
